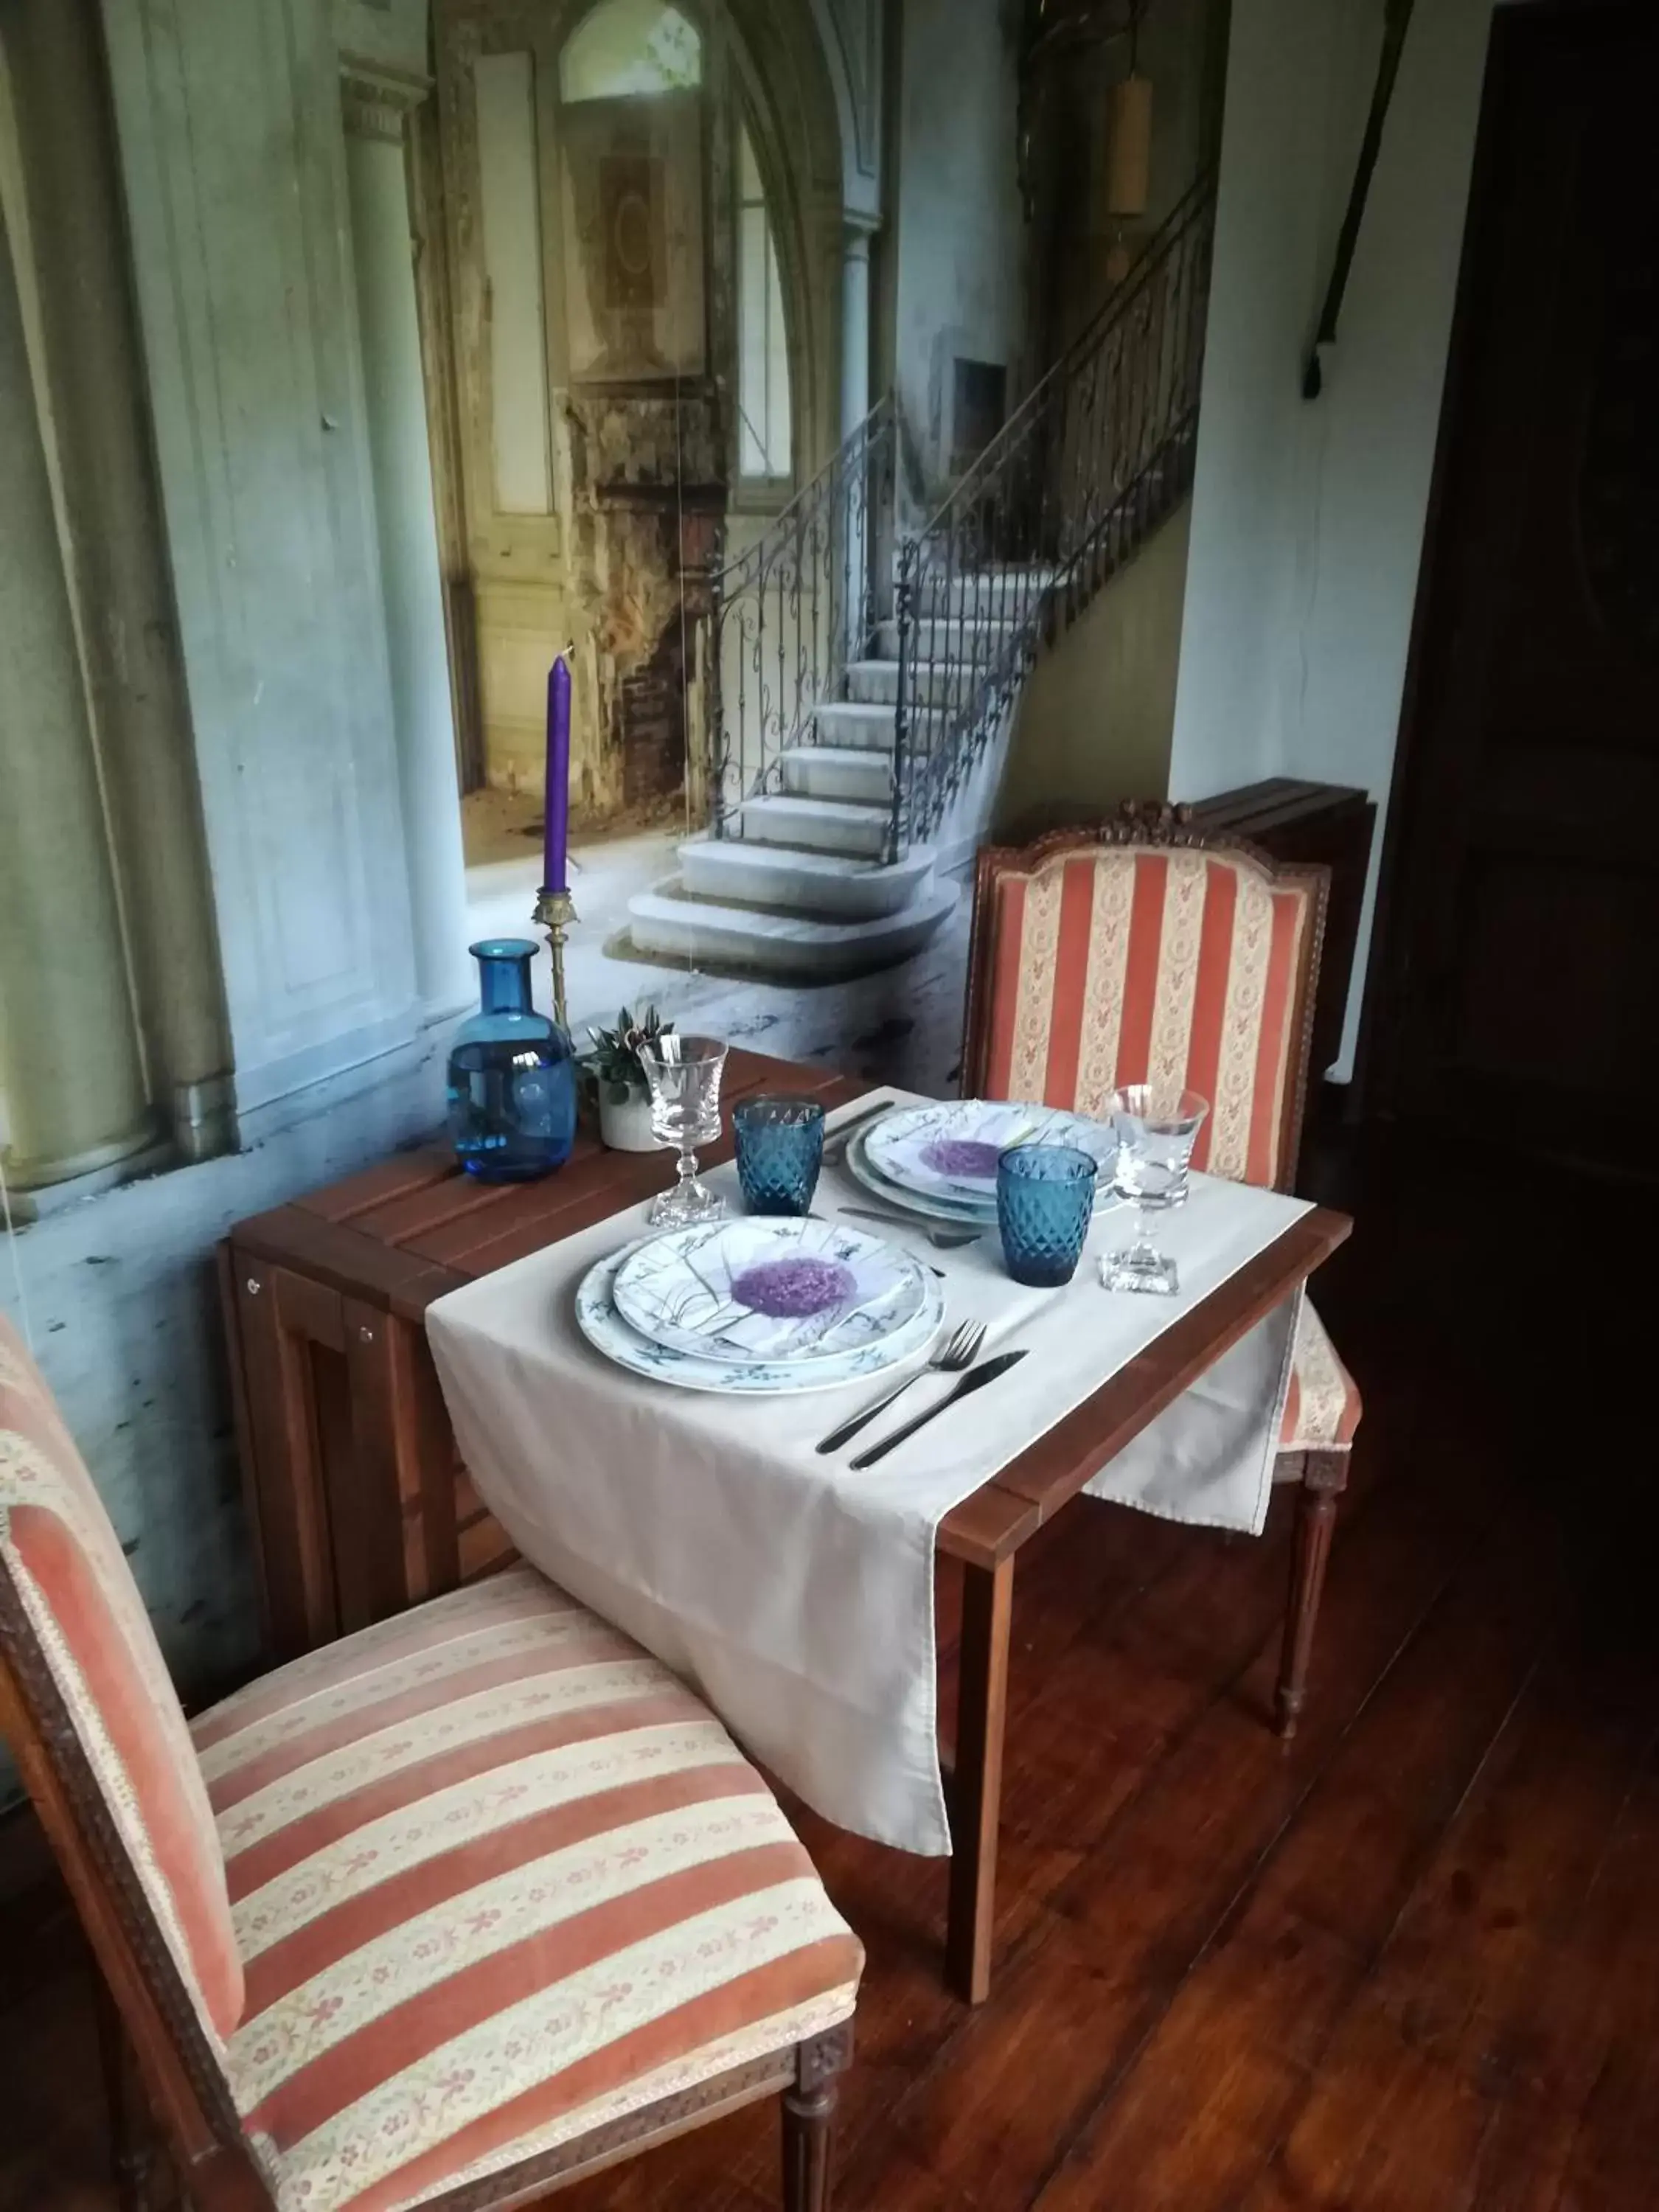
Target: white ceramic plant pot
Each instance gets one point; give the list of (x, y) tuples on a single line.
[(625, 1123)]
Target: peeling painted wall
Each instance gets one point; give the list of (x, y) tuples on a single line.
[(961, 231)]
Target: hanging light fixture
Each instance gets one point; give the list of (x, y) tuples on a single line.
[(1128, 149)]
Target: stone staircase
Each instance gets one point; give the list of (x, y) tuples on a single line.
[(857, 683), (798, 885)]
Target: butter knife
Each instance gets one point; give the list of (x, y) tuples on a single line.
[(988, 1371)]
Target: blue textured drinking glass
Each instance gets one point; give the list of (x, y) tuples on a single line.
[(780, 1152), (1045, 1202)]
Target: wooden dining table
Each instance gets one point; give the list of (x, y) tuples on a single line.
[(359, 1505)]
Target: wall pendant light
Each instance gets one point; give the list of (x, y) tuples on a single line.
[(1128, 151)]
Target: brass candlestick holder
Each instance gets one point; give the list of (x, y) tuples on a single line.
[(555, 912)]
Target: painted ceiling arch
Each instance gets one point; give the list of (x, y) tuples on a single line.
[(850, 32), (819, 61)]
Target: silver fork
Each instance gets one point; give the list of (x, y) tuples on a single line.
[(959, 1350)]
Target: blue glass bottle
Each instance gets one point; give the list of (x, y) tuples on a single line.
[(512, 1075)]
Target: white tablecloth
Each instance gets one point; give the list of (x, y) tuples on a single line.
[(796, 1596)]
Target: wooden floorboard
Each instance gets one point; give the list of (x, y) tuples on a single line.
[(1410, 1964)]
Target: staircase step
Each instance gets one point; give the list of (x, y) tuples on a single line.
[(819, 825), (855, 724), (996, 593), (938, 683), (662, 921), (959, 638), (738, 871), (867, 723), (855, 772)]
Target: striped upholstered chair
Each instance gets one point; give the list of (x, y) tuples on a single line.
[(1107, 957), (448, 1914)]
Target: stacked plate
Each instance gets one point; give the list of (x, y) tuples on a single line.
[(940, 1161), (759, 1307)]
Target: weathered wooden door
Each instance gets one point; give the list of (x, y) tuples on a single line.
[(1520, 983), (583, 149)]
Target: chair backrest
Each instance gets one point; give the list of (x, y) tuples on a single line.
[(1141, 951), (76, 1639)]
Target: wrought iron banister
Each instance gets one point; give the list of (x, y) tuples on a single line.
[(1087, 467), (789, 614)]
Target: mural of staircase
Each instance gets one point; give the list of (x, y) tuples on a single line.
[(853, 682)]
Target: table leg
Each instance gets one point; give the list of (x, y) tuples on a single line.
[(976, 1783)]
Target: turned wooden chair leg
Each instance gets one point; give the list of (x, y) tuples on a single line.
[(1324, 1478), (808, 2114)]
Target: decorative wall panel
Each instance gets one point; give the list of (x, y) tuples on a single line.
[(228, 115)]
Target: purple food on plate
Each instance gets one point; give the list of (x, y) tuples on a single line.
[(794, 1289), (963, 1156)]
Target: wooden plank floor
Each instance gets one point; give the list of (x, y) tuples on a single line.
[(1411, 1965)]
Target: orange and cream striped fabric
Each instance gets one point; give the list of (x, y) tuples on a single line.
[(66, 1581), (1322, 1407), (497, 1879), (1140, 964)]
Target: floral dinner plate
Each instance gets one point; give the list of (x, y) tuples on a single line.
[(776, 1291), (976, 1212), (950, 1151), (608, 1332)]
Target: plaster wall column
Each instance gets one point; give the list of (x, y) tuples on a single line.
[(234, 168), (854, 406), (71, 1079), (98, 440), (411, 579), (854, 324)]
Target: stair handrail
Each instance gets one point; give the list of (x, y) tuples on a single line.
[(1095, 456), (787, 615), (786, 515), (1117, 304)]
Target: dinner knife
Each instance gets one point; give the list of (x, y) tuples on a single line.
[(988, 1371)]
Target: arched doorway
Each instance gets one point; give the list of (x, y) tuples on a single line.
[(631, 233)]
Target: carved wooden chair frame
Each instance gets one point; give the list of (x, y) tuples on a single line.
[(1157, 825), (146, 2020), (1322, 1475)]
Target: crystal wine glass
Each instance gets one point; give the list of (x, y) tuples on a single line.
[(1157, 1127), (684, 1075)]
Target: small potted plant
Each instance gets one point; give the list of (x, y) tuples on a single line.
[(619, 1078)]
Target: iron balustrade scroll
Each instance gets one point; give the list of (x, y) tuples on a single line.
[(790, 614), (1093, 460)]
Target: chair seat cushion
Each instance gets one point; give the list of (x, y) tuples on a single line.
[(498, 1879), (1322, 1408)]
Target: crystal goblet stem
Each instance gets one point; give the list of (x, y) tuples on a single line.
[(1157, 1130), (684, 1076)]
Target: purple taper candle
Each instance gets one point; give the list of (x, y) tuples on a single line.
[(558, 777)]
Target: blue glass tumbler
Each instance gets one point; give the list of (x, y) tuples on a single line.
[(780, 1152), (1045, 1202), (512, 1075)]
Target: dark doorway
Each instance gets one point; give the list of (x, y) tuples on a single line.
[(1518, 985)]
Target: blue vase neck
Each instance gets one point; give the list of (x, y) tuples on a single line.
[(504, 975)]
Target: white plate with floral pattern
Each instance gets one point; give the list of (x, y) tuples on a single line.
[(607, 1331), (767, 1288), (977, 1212), (950, 1152)]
